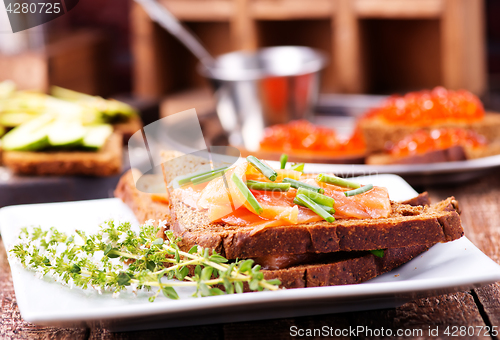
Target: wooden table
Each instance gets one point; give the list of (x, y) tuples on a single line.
[(480, 203)]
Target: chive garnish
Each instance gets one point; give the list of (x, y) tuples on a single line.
[(266, 186), (182, 180), (298, 167), (207, 177), (297, 184), (330, 210), (317, 197), (266, 170), (337, 181), (247, 193), (283, 160), (378, 252), (315, 207), (358, 191)]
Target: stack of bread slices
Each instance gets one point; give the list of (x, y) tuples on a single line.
[(346, 251)]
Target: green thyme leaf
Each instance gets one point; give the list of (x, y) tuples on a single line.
[(136, 260), (170, 293)]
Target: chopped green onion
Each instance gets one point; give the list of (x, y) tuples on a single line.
[(337, 181), (297, 184), (315, 207), (358, 191), (247, 193), (378, 252), (324, 207), (207, 177), (182, 180), (317, 197), (266, 170), (266, 186), (298, 167), (283, 160)]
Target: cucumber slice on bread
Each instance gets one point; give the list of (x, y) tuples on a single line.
[(13, 119), (96, 136), (66, 134), (30, 136)]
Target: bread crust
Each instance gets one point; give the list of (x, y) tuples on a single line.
[(105, 162), (347, 269), (144, 205), (407, 226)]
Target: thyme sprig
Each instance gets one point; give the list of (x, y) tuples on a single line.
[(116, 257)]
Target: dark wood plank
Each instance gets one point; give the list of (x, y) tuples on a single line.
[(421, 318), (209, 332), (417, 318), (480, 204), (12, 326)]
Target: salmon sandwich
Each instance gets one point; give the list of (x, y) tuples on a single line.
[(305, 230)]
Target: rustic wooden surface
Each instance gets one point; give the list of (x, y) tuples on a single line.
[(480, 203)]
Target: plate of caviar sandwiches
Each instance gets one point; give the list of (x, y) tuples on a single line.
[(438, 133), (234, 242)]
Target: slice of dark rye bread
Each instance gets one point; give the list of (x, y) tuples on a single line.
[(377, 133), (406, 226), (345, 268), (337, 268)]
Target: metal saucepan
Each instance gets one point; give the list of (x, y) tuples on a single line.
[(253, 90)]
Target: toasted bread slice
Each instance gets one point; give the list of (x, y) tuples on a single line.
[(338, 268), (455, 153), (344, 268), (378, 133), (406, 226), (105, 162), (146, 206)]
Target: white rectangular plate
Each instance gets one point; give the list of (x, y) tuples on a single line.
[(445, 268)]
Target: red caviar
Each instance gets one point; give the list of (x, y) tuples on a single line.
[(426, 108), (423, 141), (303, 136)]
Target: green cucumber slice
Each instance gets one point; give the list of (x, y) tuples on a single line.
[(96, 136), (13, 119), (30, 136), (66, 134)]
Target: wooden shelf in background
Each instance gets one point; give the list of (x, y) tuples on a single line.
[(291, 9), (78, 61), (409, 9), (375, 46), (201, 10)]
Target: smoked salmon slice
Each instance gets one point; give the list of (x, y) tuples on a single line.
[(225, 203)]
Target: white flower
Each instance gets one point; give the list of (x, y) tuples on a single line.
[(116, 295), (162, 223), (149, 222), (78, 240), (105, 238), (134, 287), (99, 290), (122, 238)]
